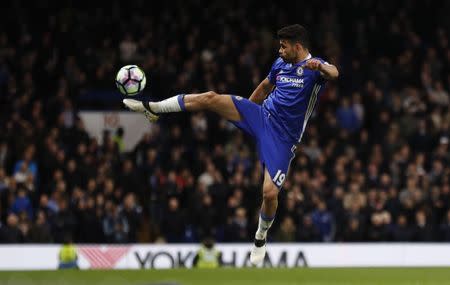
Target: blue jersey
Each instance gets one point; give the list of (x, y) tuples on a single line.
[(277, 126), (294, 97)]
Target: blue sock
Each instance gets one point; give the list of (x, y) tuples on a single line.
[(180, 98)]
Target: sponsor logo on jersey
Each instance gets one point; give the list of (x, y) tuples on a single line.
[(295, 82)]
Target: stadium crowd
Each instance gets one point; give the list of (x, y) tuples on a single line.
[(374, 164)]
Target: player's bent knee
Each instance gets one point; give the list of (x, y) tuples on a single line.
[(270, 193)]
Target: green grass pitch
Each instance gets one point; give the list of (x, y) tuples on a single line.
[(228, 276)]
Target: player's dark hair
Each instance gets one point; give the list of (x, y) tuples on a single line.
[(296, 34)]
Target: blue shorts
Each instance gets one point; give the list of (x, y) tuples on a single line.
[(275, 153)]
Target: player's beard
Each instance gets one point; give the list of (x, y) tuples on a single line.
[(285, 58), (289, 58)]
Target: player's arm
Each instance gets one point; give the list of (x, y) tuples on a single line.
[(328, 71), (261, 91)]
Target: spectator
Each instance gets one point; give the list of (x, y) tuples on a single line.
[(324, 221), (353, 231), (173, 225), (207, 256), (128, 49), (4, 180), (354, 196), (40, 231), (22, 204), (423, 230), (445, 227), (128, 179), (378, 230), (63, 222), (10, 233), (30, 164), (118, 139), (131, 211), (115, 225), (205, 217), (89, 228), (5, 155), (438, 95), (401, 230), (74, 177), (236, 229), (347, 116), (308, 231), (287, 230)]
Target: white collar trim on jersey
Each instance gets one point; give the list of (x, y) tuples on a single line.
[(289, 65), (306, 58)]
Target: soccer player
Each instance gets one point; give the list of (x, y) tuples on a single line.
[(275, 115)]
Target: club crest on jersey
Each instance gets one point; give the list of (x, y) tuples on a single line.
[(299, 71)]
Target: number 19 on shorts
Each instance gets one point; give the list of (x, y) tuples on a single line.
[(279, 178)]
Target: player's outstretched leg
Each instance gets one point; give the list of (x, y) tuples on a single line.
[(210, 101), (266, 217)]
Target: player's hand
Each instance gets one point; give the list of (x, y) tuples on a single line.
[(313, 64)]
